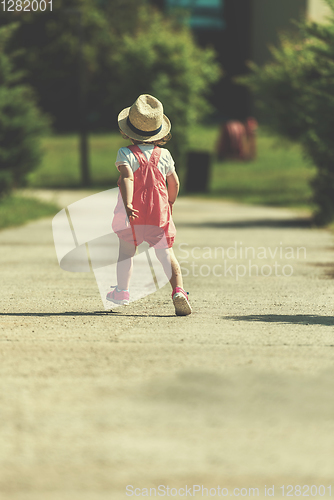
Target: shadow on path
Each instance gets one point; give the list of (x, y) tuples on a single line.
[(301, 319), (328, 268), (263, 223), (92, 313)]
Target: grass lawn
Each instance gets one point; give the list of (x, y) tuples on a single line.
[(279, 176), (60, 165), (16, 210)]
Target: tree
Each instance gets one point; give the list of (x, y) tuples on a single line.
[(21, 123), (295, 91), (87, 59), (62, 53), (48, 46), (161, 58), (129, 48)]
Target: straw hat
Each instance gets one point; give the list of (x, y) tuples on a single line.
[(144, 120)]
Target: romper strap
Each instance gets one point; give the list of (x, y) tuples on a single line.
[(140, 155)]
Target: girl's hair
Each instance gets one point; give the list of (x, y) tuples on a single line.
[(160, 142)]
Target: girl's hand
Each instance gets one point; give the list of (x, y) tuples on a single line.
[(172, 188), (171, 206), (131, 212)]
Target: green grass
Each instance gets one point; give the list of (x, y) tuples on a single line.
[(17, 210), (279, 176), (60, 164)]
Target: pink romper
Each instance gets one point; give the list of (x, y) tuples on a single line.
[(154, 223)]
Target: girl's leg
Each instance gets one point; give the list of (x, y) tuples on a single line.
[(171, 266), (125, 264)]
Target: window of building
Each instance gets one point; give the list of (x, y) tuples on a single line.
[(203, 14)]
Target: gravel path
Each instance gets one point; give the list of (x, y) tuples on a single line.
[(237, 395)]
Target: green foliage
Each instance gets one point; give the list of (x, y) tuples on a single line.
[(17, 210), (20, 122), (48, 47), (296, 93), (278, 176), (161, 59), (128, 49)]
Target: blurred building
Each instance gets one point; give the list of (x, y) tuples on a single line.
[(269, 17), (241, 31)]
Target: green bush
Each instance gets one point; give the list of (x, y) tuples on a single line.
[(48, 46), (295, 91), (20, 122), (129, 48), (162, 59)]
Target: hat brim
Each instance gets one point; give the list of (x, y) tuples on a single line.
[(122, 123)]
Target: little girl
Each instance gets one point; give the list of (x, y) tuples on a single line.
[(144, 169)]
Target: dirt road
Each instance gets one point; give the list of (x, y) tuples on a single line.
[(237, 395)]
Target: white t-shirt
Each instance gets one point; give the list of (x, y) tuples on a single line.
[(165, 165)]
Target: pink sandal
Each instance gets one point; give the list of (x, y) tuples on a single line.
[(181, 302), (121, 297)]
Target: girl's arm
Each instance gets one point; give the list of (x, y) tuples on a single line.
[(126, 187), (173, 185)]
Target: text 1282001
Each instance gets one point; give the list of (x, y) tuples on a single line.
[(26, 5)]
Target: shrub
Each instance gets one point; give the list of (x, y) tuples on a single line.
[(295, 91), (20, 122), (129, 48), (49, 53), (162, 59)]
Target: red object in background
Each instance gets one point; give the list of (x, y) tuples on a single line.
[(237, 140)]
